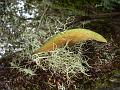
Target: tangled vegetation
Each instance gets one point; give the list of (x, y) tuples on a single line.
[(27, 24)]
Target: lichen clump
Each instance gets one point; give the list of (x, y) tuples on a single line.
[(62, 61)]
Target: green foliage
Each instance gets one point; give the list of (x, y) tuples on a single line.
[(110, 4), (79, 4), (75, 3)]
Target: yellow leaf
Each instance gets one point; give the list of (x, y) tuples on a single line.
[(71, 37)]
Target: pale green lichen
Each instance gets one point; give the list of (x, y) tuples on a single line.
[(62, 61)]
